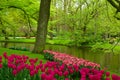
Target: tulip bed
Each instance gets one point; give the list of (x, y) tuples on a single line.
[(21, 67), (69, 60), (85, 67)]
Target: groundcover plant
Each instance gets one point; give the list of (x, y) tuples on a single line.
[(21, 67)]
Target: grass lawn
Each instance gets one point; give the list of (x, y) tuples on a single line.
[(30, 54), (19, 40)]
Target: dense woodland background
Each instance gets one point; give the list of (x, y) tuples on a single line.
[(79, 22)]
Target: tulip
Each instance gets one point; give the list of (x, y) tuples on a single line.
[(66, 73), (107, 78), (107, 74), (114, 77), (1, 65), (5, 55), (14, 72), (43, 76)]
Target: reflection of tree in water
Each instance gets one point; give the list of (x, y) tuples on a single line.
[(107, 61), (115, 63), (118, 64), (5, 44), (112, 62), (50, 48), (83, 51)]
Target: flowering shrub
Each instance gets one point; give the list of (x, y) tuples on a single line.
[(16, 67)]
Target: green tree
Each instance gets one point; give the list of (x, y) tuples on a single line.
[(44, 14), (15, 15)]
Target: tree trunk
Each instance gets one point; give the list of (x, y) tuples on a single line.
[(44, 14), (5, 34), (14, 34)]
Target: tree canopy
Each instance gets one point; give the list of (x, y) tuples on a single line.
[(79, 21)]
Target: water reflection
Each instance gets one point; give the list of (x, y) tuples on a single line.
[(5, 44), (108, 60)]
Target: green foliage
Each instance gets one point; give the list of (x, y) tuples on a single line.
[(73, 22), (101, 46), (58, 41), (18, 17), (17, 48), (84, 23), (48, 56)]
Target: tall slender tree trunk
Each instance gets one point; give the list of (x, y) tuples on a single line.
[(5, 34), (44, 14)]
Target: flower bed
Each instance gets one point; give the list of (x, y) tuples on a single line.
[(16, 67), (70, 60)]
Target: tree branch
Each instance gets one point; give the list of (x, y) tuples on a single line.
[(113, 4), (27, 16), (117, 1), (115, 44)]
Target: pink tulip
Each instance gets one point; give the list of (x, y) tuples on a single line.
[(114, 77), (14, 72), (43, 76), (5, 55), (102, 71), (1, 65), (0, 59), (32, 67), (107, 74), (32, 73), (14, 66), (107, 78), (37, 67), (49, 77), (43, 69), (83, 79), (49, 71), (76, 68), (66, 73), (60, 73)]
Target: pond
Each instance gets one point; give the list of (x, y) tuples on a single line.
[(108, 60)]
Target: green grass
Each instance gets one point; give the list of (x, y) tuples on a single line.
[(30, 54), (19, 40), (32, 40), (58, 42)]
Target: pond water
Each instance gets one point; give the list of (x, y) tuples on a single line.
[(108, 60)]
